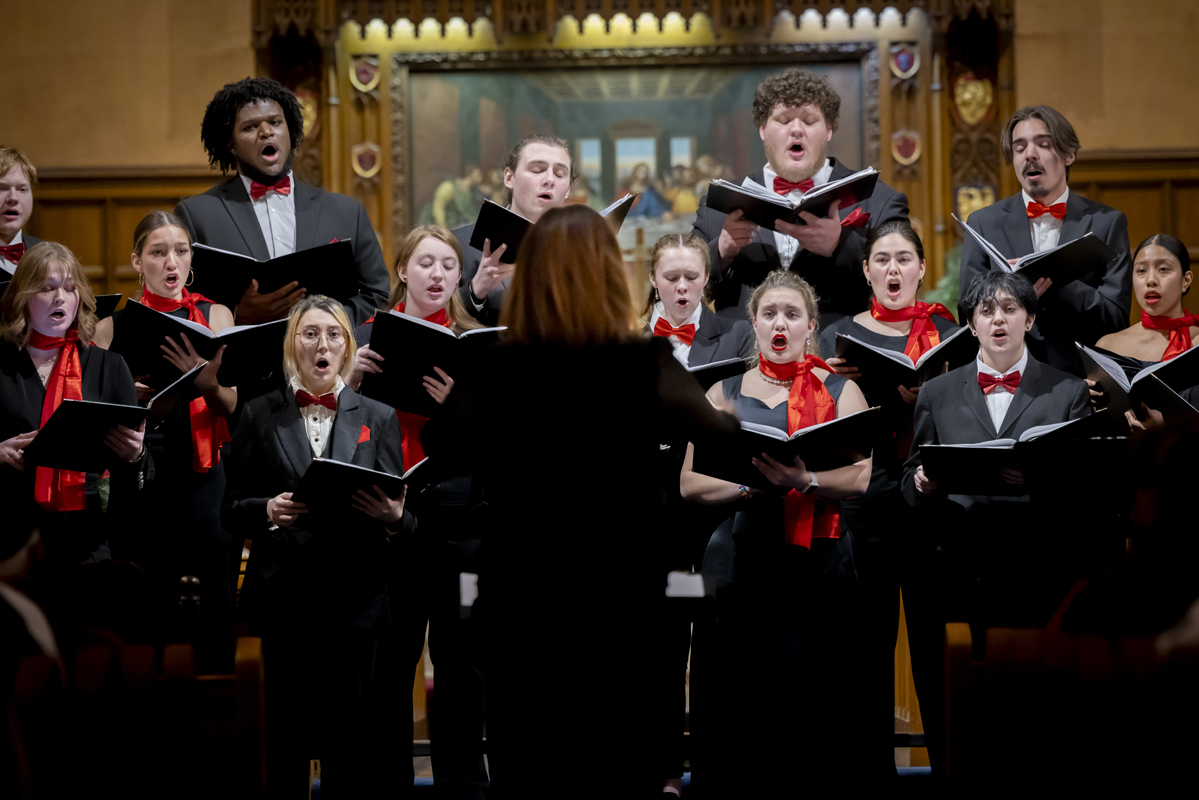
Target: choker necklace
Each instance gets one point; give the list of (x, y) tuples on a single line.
[(775, 381)]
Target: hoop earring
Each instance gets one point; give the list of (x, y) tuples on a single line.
[(191, 276), (141, 279), (919, 283)]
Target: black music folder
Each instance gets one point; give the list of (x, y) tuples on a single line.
[(223, 276), (616, 213), (1156, 386), (502, 225), (73, 437), (765, 207), (1067, 262), (887, 369), (252, 352), (106, 304), (709, 375), (328, 487), (411, 348), (974, 469), (822, 447), (163, 403)]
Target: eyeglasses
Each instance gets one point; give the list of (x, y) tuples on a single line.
[(335, 336)]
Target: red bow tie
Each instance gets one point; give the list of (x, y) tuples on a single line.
[(685, 333), (329, 401), (13, 252), (990, 383), (258, 190), (1035, 210), (785, 187)]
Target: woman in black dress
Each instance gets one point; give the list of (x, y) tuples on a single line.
[(790, 608), (47, 319), (889, 546), (561, 429), (317, 592), (425, 588)]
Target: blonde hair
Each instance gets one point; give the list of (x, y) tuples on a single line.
[(11, 157), (671, 241), (786, 279), (317, 302), (570, 284), (31, 274), (457, 312)]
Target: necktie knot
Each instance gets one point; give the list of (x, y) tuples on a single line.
[(13, 252), (304, 399), (1036, 210), (785, 187), (1008, 383), (259, 190), (685, 333)]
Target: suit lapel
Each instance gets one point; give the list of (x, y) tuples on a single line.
[(307, 213), (973, 396), (347, 427), (1077, 220), (1017, 228), (241, 209), (707, 338), (293, 439), (1023, 397)]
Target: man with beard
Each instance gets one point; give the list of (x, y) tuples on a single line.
[(796, 113), (254, 126), (1040, 144)]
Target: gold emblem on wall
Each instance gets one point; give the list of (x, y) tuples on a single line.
[(905, 60), (973, 99), (310, 108), (905, 147), (972, 198), (367, 159), (364, 73)]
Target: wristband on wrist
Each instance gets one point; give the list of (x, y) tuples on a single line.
[(744, 490)]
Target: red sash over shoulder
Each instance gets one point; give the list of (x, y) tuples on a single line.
[(60, 489), (923, 336), (1179, 328), (809, 403), (209, 430)]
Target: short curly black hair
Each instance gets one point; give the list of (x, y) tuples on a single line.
[(796, 87), (216, 131)]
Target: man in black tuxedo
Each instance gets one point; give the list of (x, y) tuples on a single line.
[(1040, 144), (18, 176), (796, 113), (537, 176), (254, 126)]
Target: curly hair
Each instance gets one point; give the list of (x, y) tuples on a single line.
[(796, 86), (217, 129)]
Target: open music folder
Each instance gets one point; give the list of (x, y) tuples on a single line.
[(1067, 262), (500, 225), (1156, 386), (822, 447), (766, 207), (887, 369), (223, 276), (328, 487)]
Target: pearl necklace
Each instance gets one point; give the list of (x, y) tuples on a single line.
[(775, 381)]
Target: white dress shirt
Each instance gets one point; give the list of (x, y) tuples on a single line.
[(318, 420), (1046, 229), (681, 351), (999, 400), (11, 266), (787, 246), (277, 217)]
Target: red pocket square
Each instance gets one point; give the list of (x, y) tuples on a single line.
[(856, 219), (333, 240), (365, 436)]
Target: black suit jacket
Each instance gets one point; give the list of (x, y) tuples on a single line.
[(296, 575), (951, 410), (720, 338), (29, 241), (837, 278), (223, 217), (489, 314), (1082, 311)]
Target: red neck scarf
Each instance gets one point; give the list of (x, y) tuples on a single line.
[(1179, 328), (209, 430), (412, 425), (923, 336), (806, 517), (60, 489)]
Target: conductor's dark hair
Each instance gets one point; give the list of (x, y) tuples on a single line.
[(513, 159), (1173, 246), (890, 227), (1061, 132), (217, 129), (983, 290)]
